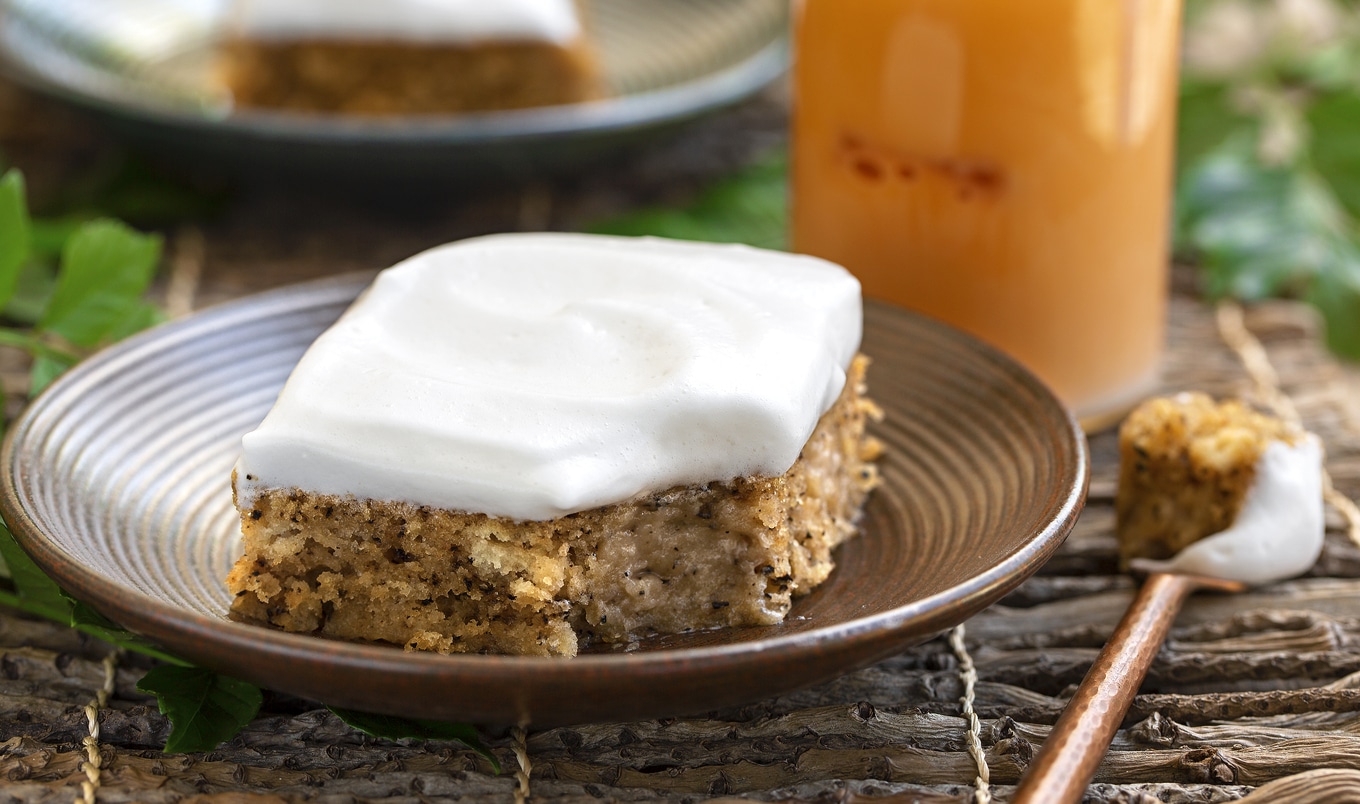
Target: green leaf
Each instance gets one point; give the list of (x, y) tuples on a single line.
[(750, 207), (34, 592), (140, 316), (1335, 145), (396, 728), (126, 187), (38, 594), (1205, 121), (50, 235), (37, 280), (105, 268), (1336, 294), (1258, 231), (86, 620), (45, 370), (15, 233), (1329, 68), (205, 709), (82, 614)]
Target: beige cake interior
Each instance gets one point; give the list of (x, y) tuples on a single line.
[(722, 554), (396, 78), (1185, 466)]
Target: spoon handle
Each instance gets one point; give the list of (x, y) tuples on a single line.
[(1076, 745)]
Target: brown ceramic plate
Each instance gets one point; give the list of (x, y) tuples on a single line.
[(116, 481)]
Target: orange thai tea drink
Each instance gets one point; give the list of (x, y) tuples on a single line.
[(1003, 165)]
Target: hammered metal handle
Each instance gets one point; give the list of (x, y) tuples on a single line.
[(1078, 742)]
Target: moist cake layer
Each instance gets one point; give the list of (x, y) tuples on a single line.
[(718, 554), (385, 78), (408, 57)]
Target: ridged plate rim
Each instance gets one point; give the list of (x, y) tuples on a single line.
[(244, 649)]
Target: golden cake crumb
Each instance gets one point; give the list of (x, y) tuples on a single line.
[(397, 78), (1185, 466)]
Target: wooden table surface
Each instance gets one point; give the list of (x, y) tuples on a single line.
[(1253, 690)]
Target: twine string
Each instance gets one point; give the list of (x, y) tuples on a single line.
[(186, 271), (94, 761), (1232, 328), (968, 673), (521, 749)]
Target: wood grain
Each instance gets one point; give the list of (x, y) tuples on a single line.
[(1079, 740)]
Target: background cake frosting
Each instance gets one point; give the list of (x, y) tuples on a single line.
[(464, 21)]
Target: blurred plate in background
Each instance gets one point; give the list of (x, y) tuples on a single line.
[(146, 68)]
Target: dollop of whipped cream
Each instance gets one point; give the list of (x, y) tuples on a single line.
[(1277, 534), (535, 375), (460, 21)]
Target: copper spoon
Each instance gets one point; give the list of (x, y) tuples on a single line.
[(1078, 742)]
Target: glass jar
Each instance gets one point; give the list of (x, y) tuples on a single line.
[(1003, 166)]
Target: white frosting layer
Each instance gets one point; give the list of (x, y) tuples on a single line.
[(1277, 534), (532, 376), (459, 21)]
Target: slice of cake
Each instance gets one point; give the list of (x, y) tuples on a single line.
[(400, 57), (1218, 489), (523, 443)]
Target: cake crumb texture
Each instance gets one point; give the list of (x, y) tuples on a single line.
[(397, 78), (1185, 466), (693, 557)]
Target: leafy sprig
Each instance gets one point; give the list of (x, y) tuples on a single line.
[(91, 295), (397, 728), (32, 591), (1269, 187), (67, 288), (748, 207), (205, 709)]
